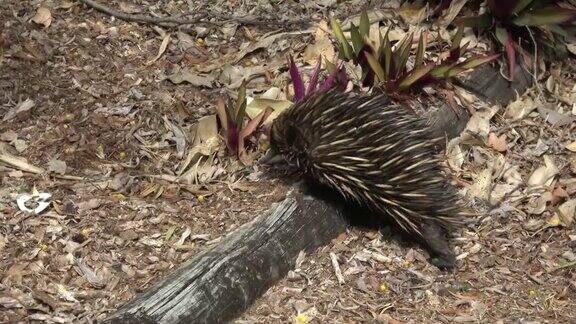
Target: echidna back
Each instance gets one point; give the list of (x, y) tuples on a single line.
[(371, 151)]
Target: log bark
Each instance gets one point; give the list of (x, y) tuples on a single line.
[(223, 281)]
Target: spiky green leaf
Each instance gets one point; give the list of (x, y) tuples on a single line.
[(364, 24), (477, 61), (482, 21), (420, 51), (559, 30), (345, 48), (522, 4), (241, 104), (330, 67), (440, 71), (415, 75), (357, 41), (404, 53), (545, 16), (387, 53), (504, 37), (376, 67), (457, 38)]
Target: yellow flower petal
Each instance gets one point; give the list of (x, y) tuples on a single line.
[(302, 319)]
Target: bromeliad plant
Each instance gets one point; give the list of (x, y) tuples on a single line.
[(336, 78), (393, 75), (236, 130), (386, 68), (514, 22)]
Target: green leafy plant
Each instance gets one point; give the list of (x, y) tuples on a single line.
[(394, 76), (513, 21), (232, 117), (386, 67), (351, 50)]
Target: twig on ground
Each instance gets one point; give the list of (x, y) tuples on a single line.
[(337, 270), (201, 18)]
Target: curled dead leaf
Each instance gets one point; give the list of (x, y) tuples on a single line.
[(571, 147), (566, 212), (544, 174), (255, 106), (192, 78), (322, 45), (520, 108), (451, 13), (482, 185), (454, 154), (497, 142), (479, 123), (537, 205), (555, 118), (43, 17)]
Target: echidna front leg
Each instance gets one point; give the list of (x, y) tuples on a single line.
[(434, 236)]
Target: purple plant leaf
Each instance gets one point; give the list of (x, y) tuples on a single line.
[(232, 136), (502, 9), (329, 81), (313, 83), (342, 78), (299, 90)]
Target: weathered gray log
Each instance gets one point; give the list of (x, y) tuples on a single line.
[(488, 83), (223, 281)]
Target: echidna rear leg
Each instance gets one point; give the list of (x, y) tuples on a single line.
[(435, 238)]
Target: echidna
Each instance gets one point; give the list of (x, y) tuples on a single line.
[(377, 154)]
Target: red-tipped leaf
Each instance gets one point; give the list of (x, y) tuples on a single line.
[(414, 76), (329, 81), (249, 129), (313, 83), (502, 9), (299, 90), (504, 37)]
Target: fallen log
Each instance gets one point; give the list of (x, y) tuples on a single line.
[(220, 283), (224, 280)]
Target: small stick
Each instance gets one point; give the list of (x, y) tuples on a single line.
[(176, 21), (336, 268)]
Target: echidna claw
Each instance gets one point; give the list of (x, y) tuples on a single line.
[(444, 263), (271, 158)]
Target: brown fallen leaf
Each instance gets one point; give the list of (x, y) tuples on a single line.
[(497, 143), (413, 13), (21, 111), (322, 45), (453, 10), (571, 147), (192, 78), (43, 17), (555, 118), (57, 166), (566, 212), (162, 49), (544, 174)]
